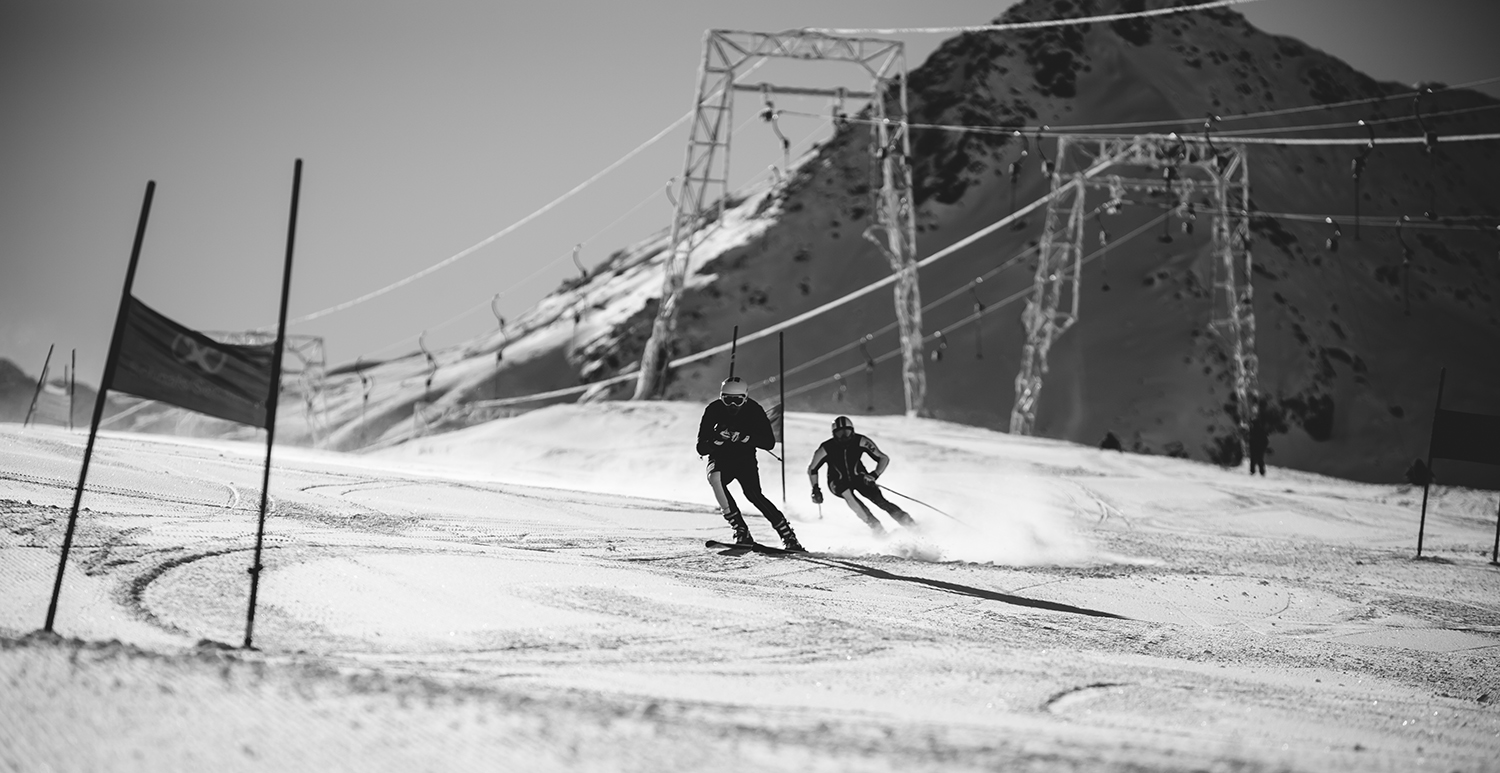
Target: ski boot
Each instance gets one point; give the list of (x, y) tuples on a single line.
[(788, 537), (742, 534)]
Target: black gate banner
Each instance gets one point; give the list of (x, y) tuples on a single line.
[(162, 360), (1469, 437)]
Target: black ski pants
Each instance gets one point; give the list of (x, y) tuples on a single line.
[(869, 489), (722, 472)]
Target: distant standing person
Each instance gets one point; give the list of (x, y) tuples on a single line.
[(732, 427), (1259, 440), (847, 475)]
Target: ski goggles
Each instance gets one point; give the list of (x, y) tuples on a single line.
[(733, 399), (843, 432)]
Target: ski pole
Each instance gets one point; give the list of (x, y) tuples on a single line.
[(920, 502)]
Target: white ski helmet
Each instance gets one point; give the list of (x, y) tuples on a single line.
[(734, 385)]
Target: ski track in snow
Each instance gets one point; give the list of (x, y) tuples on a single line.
[(1103, 610)]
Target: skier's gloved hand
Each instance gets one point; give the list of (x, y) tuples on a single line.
[(817, 494), (869, 478)]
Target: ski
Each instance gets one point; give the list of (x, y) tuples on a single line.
[(744, 547), (749, 546)]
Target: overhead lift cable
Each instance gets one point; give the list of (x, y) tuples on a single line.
[(444, 263), (492, 238), (1031, 25), (976, 315), (811, 313), (1096, 130), (1349, 102), (1353, 124), (572, 251), (490, 301), (1328, 141), (889, 326), (1486, 223)]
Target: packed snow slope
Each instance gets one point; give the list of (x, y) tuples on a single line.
[(1348, 355), (534, 594)]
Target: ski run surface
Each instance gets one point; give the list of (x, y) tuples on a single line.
[(535, 594)]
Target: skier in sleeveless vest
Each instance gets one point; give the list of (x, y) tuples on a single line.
[(732, 427), (847, 475)]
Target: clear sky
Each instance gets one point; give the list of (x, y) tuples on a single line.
[(425, 127)]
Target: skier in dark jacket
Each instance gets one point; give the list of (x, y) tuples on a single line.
[(732, 427), (847, 474)]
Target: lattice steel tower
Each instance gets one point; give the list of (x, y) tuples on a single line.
[(303, 374), (1188, 175), (704, 185)]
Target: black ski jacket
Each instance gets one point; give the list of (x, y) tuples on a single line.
[(843, 458), (750, 421)]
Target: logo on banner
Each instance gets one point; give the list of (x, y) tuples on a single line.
[(207, 358)]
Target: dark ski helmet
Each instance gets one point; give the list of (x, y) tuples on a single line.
[(842, 422)]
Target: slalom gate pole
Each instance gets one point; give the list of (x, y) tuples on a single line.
[(1495, 553), (72, 388), (271, 401), (781, 419), (1427, 479), (920, 502), (40, 380), (104, 382), (734, 344)]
